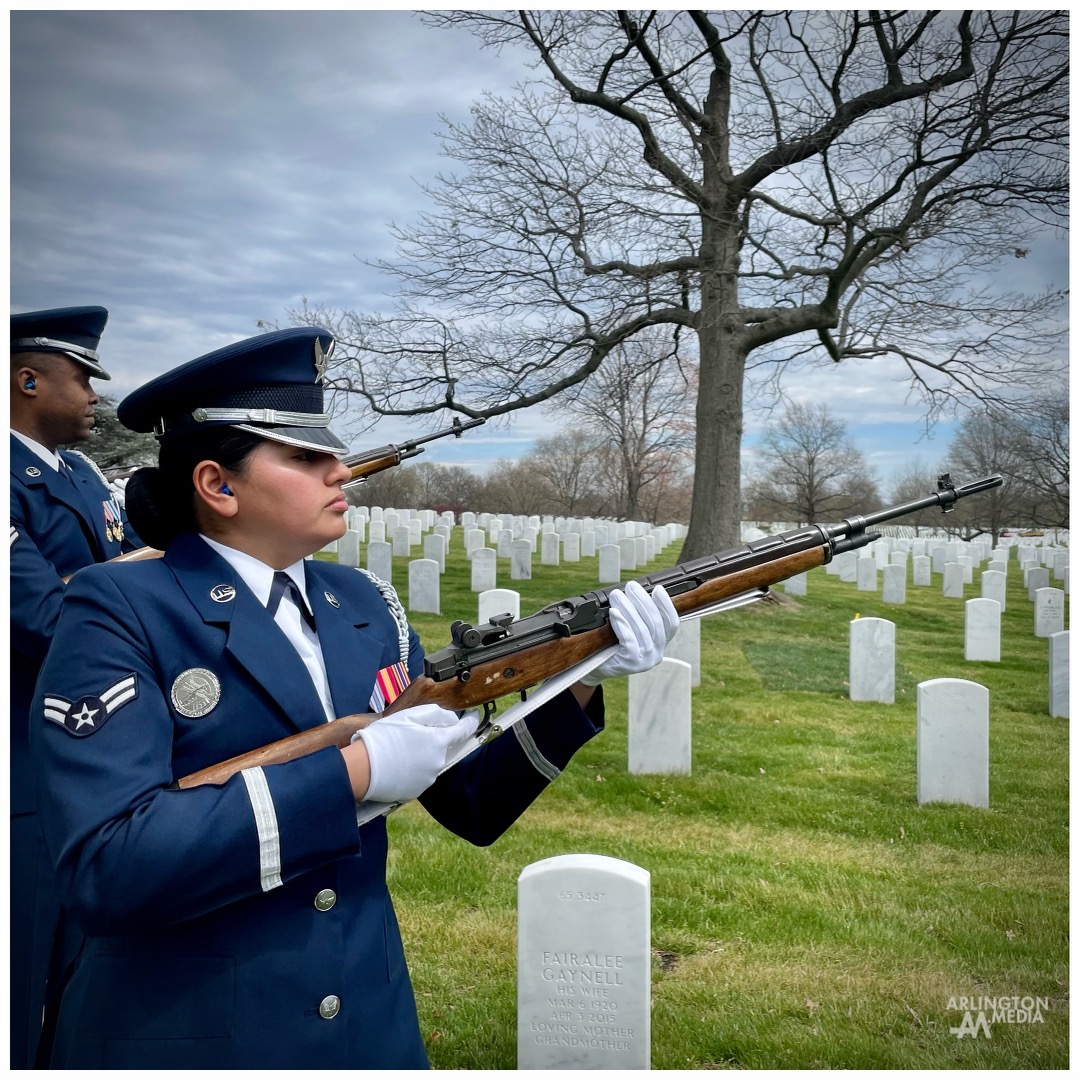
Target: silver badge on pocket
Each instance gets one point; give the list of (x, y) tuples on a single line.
[(195, 692)]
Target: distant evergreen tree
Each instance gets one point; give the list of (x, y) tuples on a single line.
[(113, 447)]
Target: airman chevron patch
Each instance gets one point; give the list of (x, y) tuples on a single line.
[(85, 715)]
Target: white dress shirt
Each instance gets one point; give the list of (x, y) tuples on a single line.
[(259, 577), (50, 457)]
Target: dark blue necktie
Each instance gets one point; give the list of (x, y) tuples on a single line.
[(285, 586)]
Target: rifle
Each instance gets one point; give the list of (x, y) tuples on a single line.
[(506, 655), (362, 465), (386, 457)]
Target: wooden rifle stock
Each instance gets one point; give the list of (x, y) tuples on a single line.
[(505, 675)]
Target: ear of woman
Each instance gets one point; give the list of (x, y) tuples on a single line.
[(212, 488)]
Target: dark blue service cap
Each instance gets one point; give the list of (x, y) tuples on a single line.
[(270, 385), (73, 331)]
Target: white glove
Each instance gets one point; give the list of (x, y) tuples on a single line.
[(644, 624), (407, 750)]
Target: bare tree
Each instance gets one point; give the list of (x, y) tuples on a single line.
[(982, 446), (916, 482), (811, 471), (785, 187), (566, 463), (640, 405), (515, 487), (1041, 431)]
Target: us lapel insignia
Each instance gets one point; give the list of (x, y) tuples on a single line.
[(33, 470), (88, 714), (195, 691), (331, 599), (222, 594)]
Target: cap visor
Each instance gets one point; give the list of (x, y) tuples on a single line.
[(95, 369), (320, 439)]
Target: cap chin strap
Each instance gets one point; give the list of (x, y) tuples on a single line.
[(52, 343)]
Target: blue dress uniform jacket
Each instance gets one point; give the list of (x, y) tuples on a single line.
[(247, 924), (57, 527)]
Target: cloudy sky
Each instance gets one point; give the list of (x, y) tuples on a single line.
[(195, 172)]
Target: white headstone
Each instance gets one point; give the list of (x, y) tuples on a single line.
[(894, 584), (953, 742), (920, 569), (1059, 674), (982, 630), (348, 551), (506, 538), (627, 554), (610, 560), (380, 560), (992, 584), (474, 540), (483, 569), (937, 556), (584, 964), (376, 531), (498, 602), (1038, 577), (521, 560), (401, 539), (1049, 612), (953, 584), (588, 544), (872, 660), (571, 546), (846, 565), (795, 586), (435, 548), (641, 551), (549, 549), (866, 569), (967, 563), (658, 706), (686, 645), (424, 586)]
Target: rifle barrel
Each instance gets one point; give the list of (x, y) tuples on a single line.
[(945, 496)]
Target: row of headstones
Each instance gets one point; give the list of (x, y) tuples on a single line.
[(872, 650), (614, 561), (956, 572), (361, 518)]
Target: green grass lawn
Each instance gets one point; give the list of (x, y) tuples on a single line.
[(806, 911)]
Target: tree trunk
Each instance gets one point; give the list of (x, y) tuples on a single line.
[(714, 523), (722, 344)]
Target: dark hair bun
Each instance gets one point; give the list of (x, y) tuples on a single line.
[(151, 510)]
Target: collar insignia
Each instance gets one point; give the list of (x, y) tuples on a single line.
[(222, 594)]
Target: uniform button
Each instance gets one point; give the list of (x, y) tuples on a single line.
[(330, 1006), (325, 900)]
